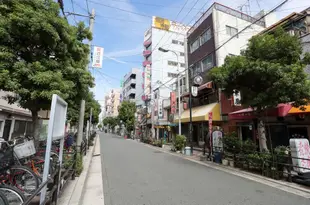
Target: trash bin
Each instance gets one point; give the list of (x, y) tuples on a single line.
[(217, 157), (187, 151)]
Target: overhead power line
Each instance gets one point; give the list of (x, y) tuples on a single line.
[(148, 4), (124, 10), (167, 32), (238, 33), (87, 5)]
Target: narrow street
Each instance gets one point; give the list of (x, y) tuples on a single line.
[(134, 174)]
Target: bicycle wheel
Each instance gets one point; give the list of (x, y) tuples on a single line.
[(24, 179), (3, 199), (13, 195)]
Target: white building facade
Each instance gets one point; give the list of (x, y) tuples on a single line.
[(161, 68), (112, 102), (132, 87)]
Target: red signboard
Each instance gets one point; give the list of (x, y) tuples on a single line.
[(172, 102), (210, 127)]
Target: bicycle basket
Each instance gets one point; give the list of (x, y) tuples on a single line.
[(25, 149), (6, 158)]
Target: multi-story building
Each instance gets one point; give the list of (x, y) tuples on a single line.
[(132, 86), (112, 102), (213, 37), (162, 66), (284, 121)]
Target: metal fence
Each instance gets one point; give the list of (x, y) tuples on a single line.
[(269, 164)]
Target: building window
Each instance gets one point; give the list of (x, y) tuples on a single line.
[(172, 63), (207, 63), (182, 65), (178, 42), (231, 31), (205, 36), (195, 45), (195, 70), (181, 54), (172, 75)]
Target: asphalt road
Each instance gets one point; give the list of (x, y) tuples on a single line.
[(134, 174)]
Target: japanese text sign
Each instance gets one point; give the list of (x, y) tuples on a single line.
[(97, 57)]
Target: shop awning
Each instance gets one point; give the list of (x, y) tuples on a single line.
[(201, 113), (298, 110), (280, 111)]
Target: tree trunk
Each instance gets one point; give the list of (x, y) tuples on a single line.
[(35, 126), (262, 136)]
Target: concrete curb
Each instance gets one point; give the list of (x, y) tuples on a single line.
[(285, 186), (77, 194)]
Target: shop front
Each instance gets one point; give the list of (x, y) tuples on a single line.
[(200, 120), (281, 124)]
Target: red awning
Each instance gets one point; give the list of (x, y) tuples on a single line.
[(280, 111)]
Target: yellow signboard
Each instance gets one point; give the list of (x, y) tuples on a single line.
[(162, 23)]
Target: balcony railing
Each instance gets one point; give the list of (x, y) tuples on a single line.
[(147, 43), (145, 63), (146, 53)]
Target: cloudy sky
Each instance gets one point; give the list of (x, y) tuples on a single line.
[(120, 25)]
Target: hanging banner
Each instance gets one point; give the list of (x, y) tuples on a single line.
[(173, 102), (210, 127), (147, 81), (97, 57)]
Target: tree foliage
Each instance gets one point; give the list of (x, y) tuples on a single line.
[(41, 54), (126, 113), (110, 121), (268, 72), (90, 103)]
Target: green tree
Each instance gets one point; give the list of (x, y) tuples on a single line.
[(40, 55), (268, 72), (126, 113), (93, 104), (100, 126), (90, 103), (111, 122)]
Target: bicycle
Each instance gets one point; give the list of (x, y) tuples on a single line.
[(19, 176), (32, 159), (13, 195), (3, 199)]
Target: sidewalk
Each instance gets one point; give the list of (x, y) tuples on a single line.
[(93, 194), (72, 193)]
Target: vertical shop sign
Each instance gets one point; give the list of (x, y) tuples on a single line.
[(160, 108), (210, 127), (147, 80), (172, 102)]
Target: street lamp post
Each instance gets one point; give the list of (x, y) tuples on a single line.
[(178, 85)]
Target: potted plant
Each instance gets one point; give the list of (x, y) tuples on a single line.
[(179, 142), (232, 147), (224, 160)]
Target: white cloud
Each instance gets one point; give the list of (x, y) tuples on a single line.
[(125, 53), (116, 60)]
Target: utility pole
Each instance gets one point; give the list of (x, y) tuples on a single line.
[(82, 108)]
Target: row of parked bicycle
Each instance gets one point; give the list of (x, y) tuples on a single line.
[(21, 167)]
